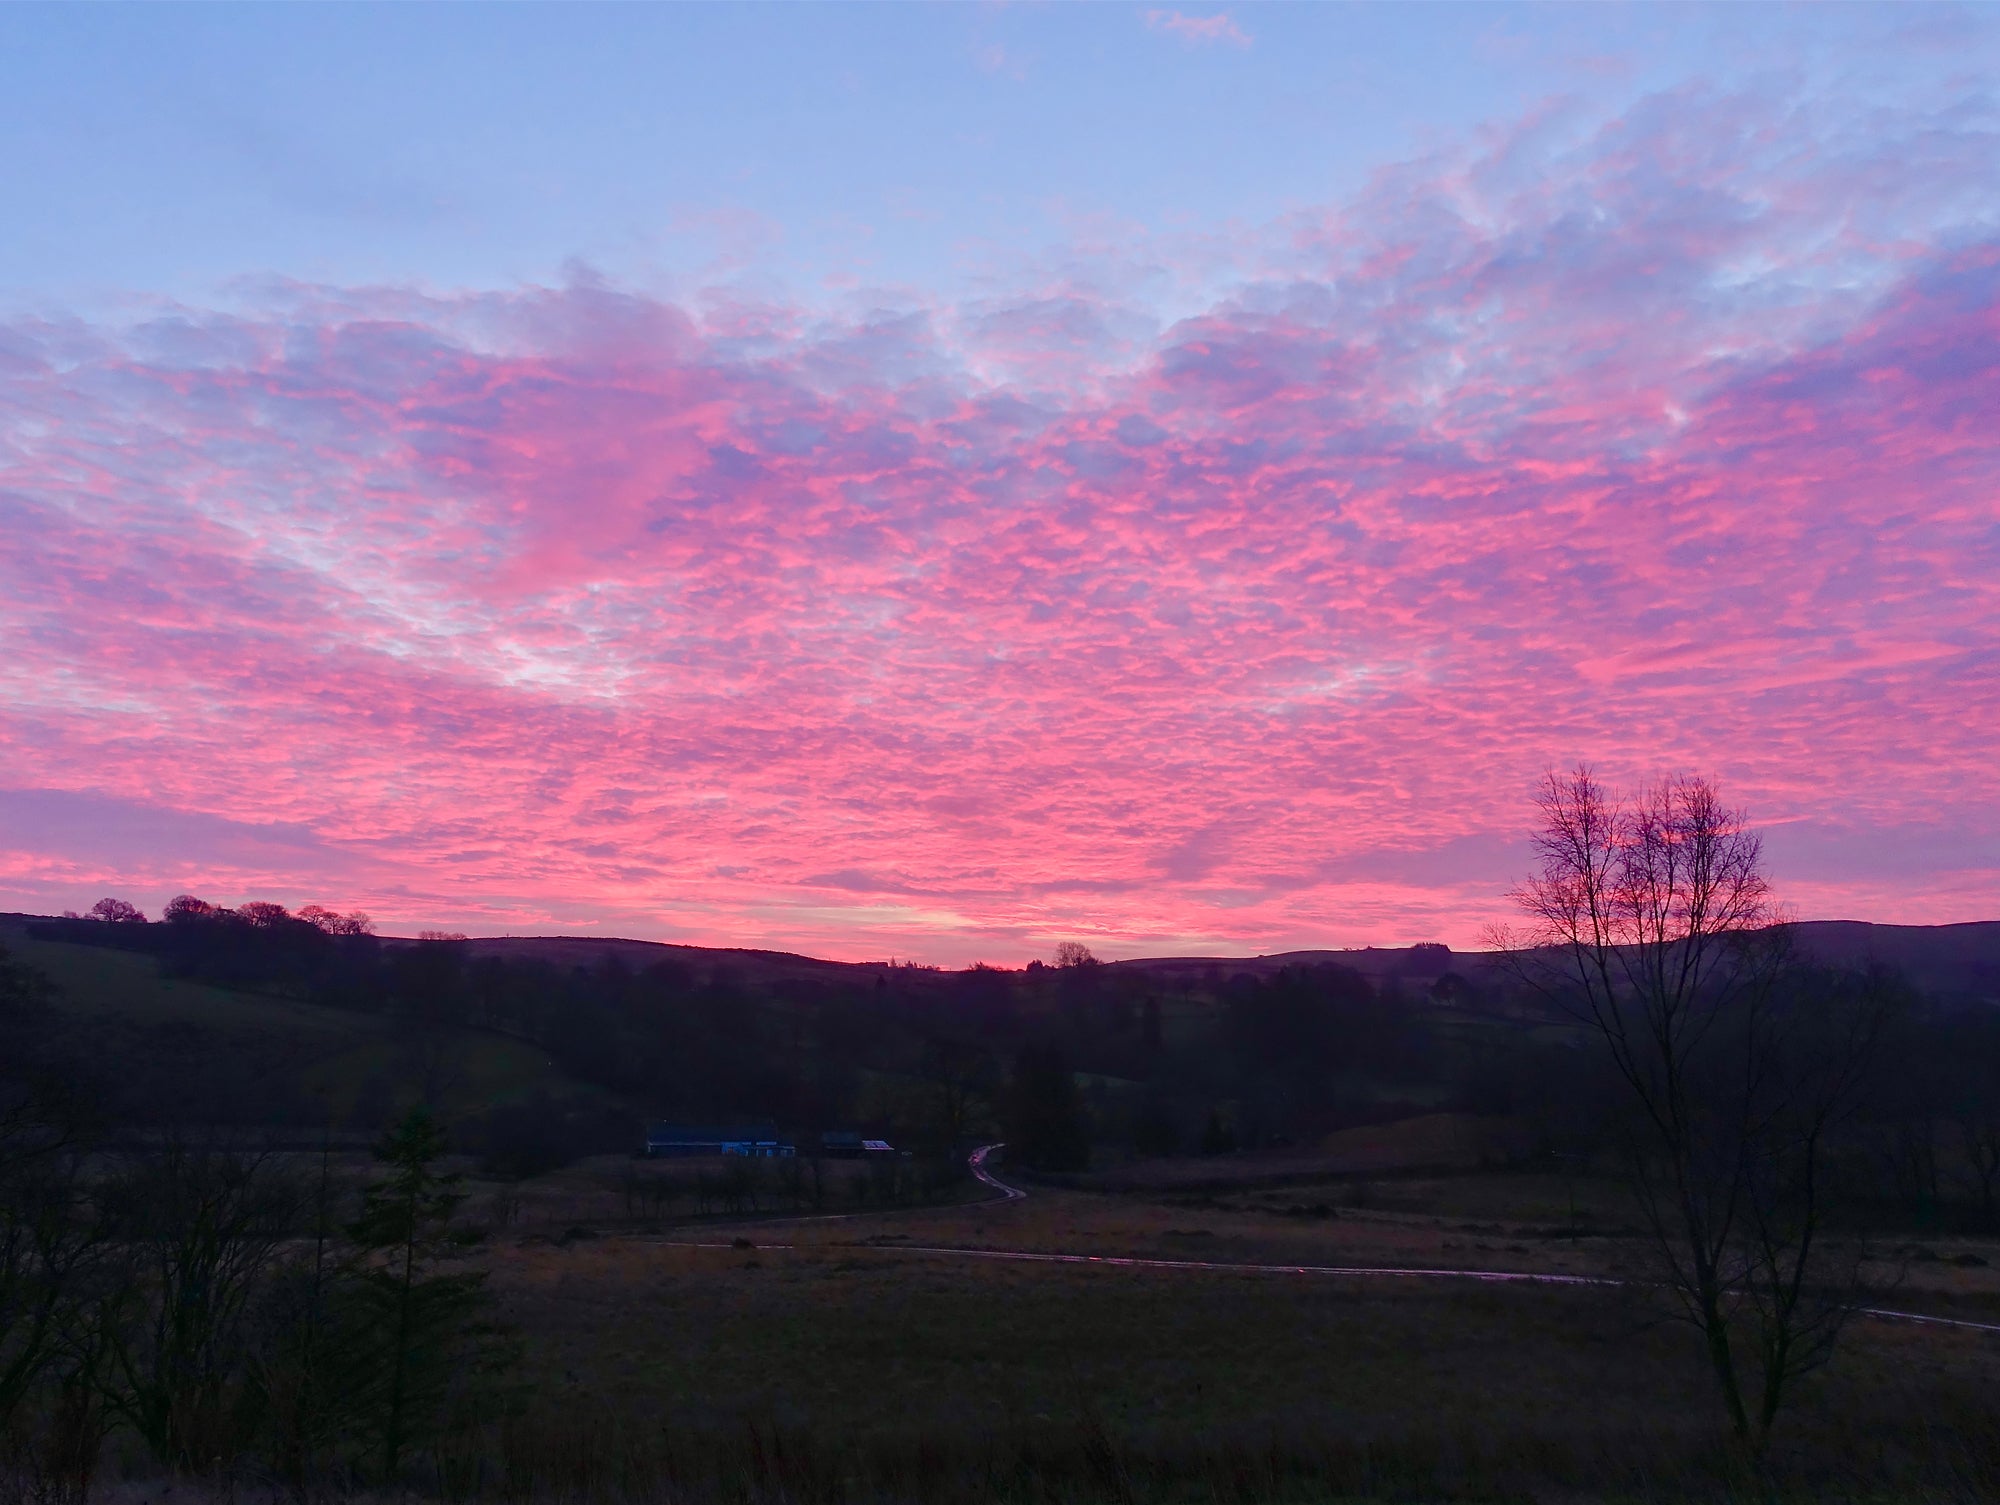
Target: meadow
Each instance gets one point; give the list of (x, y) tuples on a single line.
[(845, 1358)]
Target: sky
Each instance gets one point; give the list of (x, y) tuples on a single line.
[(936, 481)]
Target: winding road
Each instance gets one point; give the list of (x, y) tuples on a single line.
[(977, 1164)]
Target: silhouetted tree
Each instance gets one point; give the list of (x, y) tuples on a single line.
[(958, 1076), (302, 1370), (1046, 1130), (1154, 1129), (50, 1243), (332, 923), (1217, 1138), (418, 1325), (1653, 925), (1970, 1099), (202, 1226), (47, 1243), (183, 908)]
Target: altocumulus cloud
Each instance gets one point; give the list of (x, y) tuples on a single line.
[(1672, 440), (1199, 30)]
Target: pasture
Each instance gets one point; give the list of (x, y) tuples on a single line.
[(865, 1360), (182, 1046)]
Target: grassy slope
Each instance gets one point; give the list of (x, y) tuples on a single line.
[(325, 1052)]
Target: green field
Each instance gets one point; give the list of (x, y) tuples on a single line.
[(129, 1020)]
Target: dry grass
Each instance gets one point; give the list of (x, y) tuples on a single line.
[(829, 1361), (1429, 1141), (846, 1366), (858, 1336), (848, 1341)]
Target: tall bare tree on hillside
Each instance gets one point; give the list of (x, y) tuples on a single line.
[(1651, 923)]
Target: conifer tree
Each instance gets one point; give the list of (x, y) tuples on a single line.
[(419, 1325)]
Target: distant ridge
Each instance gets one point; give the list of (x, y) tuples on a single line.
[(1957, 959), (586, 949), (1960, 959)]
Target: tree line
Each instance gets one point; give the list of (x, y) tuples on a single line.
[(1066, 1056), (1155, 1064)]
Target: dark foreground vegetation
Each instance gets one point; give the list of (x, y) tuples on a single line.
[(783, 1369), (287, 1206), (221, 1311)]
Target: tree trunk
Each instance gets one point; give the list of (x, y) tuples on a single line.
[(392, 1438)]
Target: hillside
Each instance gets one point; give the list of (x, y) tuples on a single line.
[(173, 1048), (561, 1045), (704, 962), (1950, 960)]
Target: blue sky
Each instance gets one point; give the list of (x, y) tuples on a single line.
[(800, 152)]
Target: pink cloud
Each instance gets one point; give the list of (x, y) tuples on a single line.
[(1198, 30), (1669, 445)]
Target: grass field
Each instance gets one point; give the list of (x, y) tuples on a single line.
[(1372, 1196), (875, 1357), (331, 1058), (1463, 1388), (863, 1362)]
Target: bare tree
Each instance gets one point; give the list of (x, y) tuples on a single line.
[(1653, 925), (1980, 1132), (204, 1225), (50, 1241), (958, 1077), (50, 1249), (296, 1368), (334, 923), (1965, 1083)]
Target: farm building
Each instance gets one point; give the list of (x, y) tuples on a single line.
[(844, 1144), (757, 1140)]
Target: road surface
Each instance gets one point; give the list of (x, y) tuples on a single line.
[(978, 1167)]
